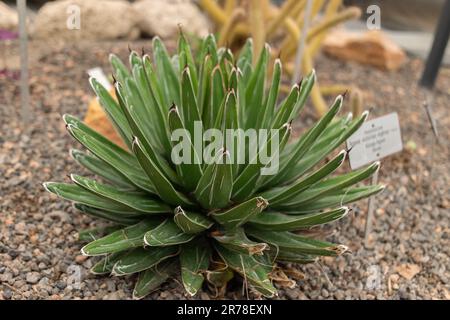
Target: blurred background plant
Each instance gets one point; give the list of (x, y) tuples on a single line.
[(264, 21)]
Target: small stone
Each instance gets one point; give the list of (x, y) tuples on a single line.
[(61, 285), (408, 271), (80, 259), (33, 277), (7, 294)]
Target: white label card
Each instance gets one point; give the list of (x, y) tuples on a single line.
[(376, 139), (99, 75)]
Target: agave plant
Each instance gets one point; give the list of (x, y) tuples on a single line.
[(208, 220)]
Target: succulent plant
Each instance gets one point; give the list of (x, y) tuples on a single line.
[(208, 219)]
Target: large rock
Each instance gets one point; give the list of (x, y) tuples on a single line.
[(99, 20), (9, 19), (162, 18), (372, 48)]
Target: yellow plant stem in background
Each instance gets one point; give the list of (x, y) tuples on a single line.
[(229, 27), (257, 28), (288, 6)]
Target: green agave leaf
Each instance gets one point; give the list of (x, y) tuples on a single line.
[(246, 183), (218, 93), (289, 111), (137, 201), (340, 198), (152, 278), (189, 107), (305, 144), (121, 72), (331, 185), (184, 50), (102, 169), (250, 269), (274, 221), (160, 103), (219, 278), (234, 79), (141, 259), (232, 122), (127, 220), (240, 92), (254, 95), (166, 234), (245, 60), (204, 90), (224, 65), (134, 59), (105, 265), (283, 194), (127, 238), (175, 60), (209, 47), (265, 117), (194, 259), (155, 89), (112, 109), (310, 160), (95, 233), (286, 108), (295, 243), (227, 117), (110, 153), (140, 96), (165, 189), (214, 188), (190, 172), (236, 240), (191, 222), (166, 72), (288, 256), (140, 123), (240, 214), (330, 135), (76, 193)]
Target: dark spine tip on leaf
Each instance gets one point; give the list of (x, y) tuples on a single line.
[(129, 48), (135, 141), (349, 150), (344, 94), (180, 28)]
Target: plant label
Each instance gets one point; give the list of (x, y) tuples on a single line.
[(376, 139), (99, 75)]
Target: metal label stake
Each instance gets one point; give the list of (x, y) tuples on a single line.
[(24, 85), (371, 206)]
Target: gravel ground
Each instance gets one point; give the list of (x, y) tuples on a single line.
[(408, 255)]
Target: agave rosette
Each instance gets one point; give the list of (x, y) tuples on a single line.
[(208, 220)]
